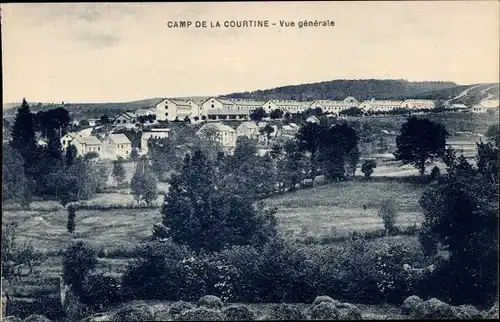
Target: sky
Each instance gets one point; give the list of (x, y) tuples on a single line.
[(123, 52)]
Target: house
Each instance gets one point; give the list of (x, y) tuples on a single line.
[(145, 111), (248, 129), (229, 109), (225, 135), (290, 106), (458, 107), (155, 134), (335, 107), (67, 138), (478, 109), (125, 119), (171, 109), (312, 119), (86, 145), (93, 122), (380, 106), (116, 145), (417, 104)]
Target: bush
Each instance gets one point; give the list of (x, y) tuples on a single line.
[(201, 314), (210, 302), (36, 318), (467, 312), (100, 292), (388, 214), (179, 307), (134, 313), (367, 168), (13, 319), (239, 313), (436, 309), (324, 298), (324, 311), (285, 312), (78, 261), (164, 271), (412, 305), (435, 174), (349, 311), (493, 312)]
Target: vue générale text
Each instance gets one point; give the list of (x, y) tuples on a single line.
[(249, 23)]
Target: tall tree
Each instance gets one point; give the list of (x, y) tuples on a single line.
[(420, 140), (71, 154), (267, 131), (199, 213), (258, 114), (118, 172), (23, 133), (143, 182), (308, 139)]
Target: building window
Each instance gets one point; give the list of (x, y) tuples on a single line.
[(212, 105), (166, 114)]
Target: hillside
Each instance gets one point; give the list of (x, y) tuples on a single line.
[(91, 110), (339, 89)]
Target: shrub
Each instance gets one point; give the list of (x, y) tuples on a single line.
[(412, 305), (435, 174), (367, 168), (324, 311), (36, 318), (239, 313), (100, 292), (493, 312), (210, 302), (78, 261), (436, 309), (71, 217), (388, 214), (467, 312), (349, 311), (201, 314), (324, 298), (179, 307), (134, 313), (285, 312), (13, 319)]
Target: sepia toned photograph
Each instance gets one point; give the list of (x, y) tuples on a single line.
[(250, 161)]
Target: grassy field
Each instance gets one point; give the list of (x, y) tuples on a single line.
[(338, 207)]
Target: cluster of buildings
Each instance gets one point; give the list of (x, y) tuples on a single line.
[(111, 146), (216, 108)]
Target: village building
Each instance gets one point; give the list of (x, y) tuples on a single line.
[(147, 111), (173, 109), (290, 106), (155, 134), (478, 109), (226, 109), (459, 107), (67, 138), (116, 145), (313, 119), (87, 144), (335, 107), (248, 129), (417, 104), (380, 105), (226, 135), (125, 119)]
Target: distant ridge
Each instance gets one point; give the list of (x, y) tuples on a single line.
[(361, 89)]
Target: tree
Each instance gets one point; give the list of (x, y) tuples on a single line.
[(54, 147), (15, 185), (23, 136), (104, 120), (367, 168), (143, 183), (308, 139), (71, 154), (258, 114), (198, 214), (419, 140), (17, 259), (79, 260), (118, 172), (338, 144), (134, 155), (352, 111), (84, 123), (493, 134), (291, 169), (267, 131), (352, 160), (461, 216), (388, 214), (51, 121), (276, 114), (70, 225)]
